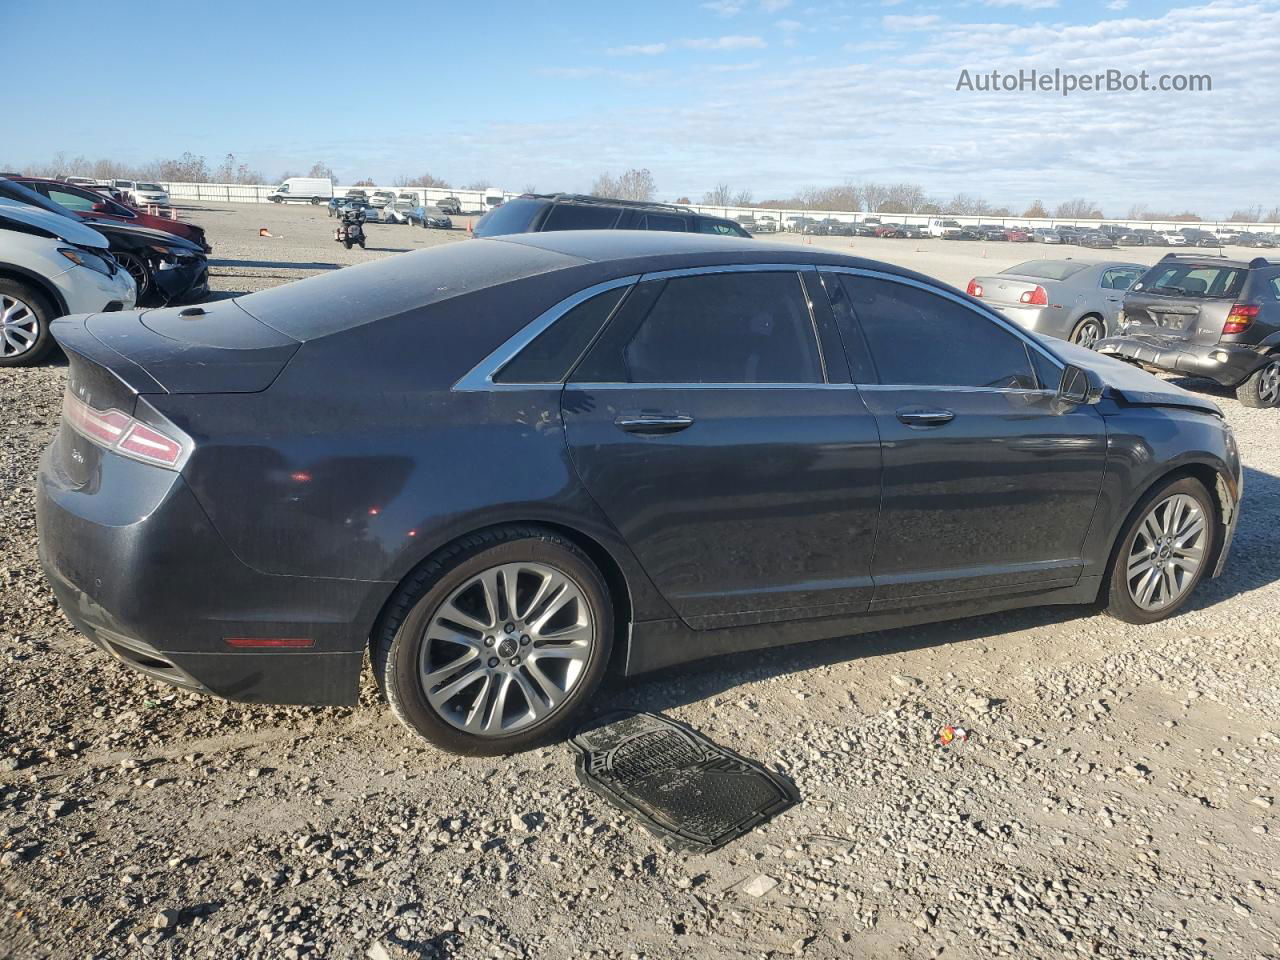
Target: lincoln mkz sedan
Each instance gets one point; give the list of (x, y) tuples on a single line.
[(500, 466)]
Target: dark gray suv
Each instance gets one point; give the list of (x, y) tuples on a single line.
[(534, 213), (496, 467), (1209, 317)]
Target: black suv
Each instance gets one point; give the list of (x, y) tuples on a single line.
[(538, 212), (1208, 317)]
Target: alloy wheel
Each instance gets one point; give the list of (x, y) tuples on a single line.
[(1089, 333), (19, 326), (137, 269), (1167, 552), (506, 648), (1269, 383)]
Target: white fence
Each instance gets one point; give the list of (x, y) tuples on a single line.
[(472, 201)]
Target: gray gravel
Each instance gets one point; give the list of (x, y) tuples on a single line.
[(1115, 796)]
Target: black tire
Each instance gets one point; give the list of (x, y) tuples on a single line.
[(347, 244), (1262, 388), (137, 268), (361, 244), (399, 634), (1090, 323), (1119, 602), (41, 313), (315, 201)]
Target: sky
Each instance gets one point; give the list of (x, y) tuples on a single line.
[(771, 96)]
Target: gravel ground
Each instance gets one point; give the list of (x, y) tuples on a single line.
[(1116, 796)]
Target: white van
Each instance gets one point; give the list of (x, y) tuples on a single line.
[(303, 190), (493, 198), (944, 228)]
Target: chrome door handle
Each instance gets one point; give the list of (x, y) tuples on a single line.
[(917, 417), (652, 423)]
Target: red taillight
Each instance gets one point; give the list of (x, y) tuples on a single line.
[(269, 642), (1240, 318), (1039, 297), (975, 288), (121, 433)]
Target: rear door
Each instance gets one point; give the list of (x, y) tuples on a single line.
[(714, 423), (1183, 301), (990, 484)]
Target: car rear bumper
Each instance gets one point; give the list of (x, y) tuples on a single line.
[(1224, 363), (139, 569)]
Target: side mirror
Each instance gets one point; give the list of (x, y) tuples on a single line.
[(1080, 386), (101, 207)]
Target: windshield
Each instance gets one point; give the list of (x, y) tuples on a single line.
[(1192, 280), (151, 187), (1045, 269), (20, 194)]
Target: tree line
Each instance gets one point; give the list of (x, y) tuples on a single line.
[(638, 184)]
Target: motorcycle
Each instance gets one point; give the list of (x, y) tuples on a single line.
[(351, 230)]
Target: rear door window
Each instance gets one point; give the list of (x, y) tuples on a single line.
[(553, 353), (659, 222), (572, 216), (739, 328), (920, 338)]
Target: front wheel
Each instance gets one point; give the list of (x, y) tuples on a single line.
[(347, 244), (496, 643), (315, 201), (137, 268), (1163, 552), (1262, 389), (25, 315), (1088, 332)]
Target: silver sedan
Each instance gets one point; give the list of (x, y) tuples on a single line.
[(1076, 300)]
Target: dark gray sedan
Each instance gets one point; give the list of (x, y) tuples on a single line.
[(1074, 300), (496, 468)]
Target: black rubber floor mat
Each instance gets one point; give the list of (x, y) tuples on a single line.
[(693, 793)]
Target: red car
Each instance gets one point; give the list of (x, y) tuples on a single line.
[(1018, 235), (91, 205), (890, 230)]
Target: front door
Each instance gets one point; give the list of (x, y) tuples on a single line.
[(706, 424), (990, 482)]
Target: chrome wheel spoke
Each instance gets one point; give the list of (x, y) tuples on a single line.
[(1167, 552), (506, 648)]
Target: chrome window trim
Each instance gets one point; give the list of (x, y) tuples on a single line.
[(984, 312), (480, 377), (613, 385), (731, 268)]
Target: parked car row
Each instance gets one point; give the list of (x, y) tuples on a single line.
[(111, 257)]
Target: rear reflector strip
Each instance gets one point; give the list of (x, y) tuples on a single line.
[(288, 642)]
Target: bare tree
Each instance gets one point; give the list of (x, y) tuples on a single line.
[(322, 169), (721, 196), (743, 198), (635, 184), (1079, 209), (477, 185), (1252, 215), (1037, 211), (425, 180)]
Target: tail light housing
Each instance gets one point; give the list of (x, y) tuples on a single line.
[(120, 433), (1240, 318), (1039, 297), (975, 288)]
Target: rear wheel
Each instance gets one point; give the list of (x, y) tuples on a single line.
[(1163, 552), (493, 646), (1262, 389), (1088, 332), (25, 315), (315, 201)]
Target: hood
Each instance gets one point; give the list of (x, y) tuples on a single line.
[(1130, 384), (15, 215), (128, 236)]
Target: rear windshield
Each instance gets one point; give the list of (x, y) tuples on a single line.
[(1203, 281), (1046, 269), (514, 216)]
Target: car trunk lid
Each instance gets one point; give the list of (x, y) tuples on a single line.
[(1007, 289), (212, 348)]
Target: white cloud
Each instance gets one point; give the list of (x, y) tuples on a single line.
[(637, 49), (725, 8), (1117, 4), (723, 43), (789, 26), (897, 22), (773, 6), (1024, 4)]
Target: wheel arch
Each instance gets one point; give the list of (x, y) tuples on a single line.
[(615, 578), (9, 271)]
